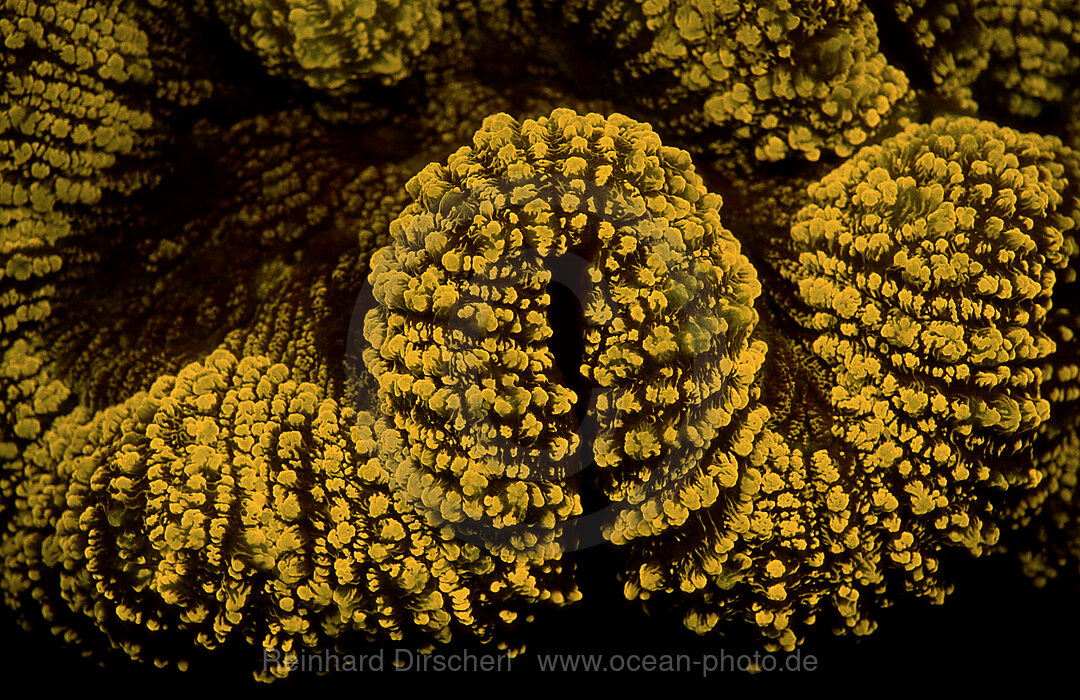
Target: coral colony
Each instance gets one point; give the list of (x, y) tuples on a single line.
[(282, 365)]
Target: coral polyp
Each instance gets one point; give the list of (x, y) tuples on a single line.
[(328, 324)]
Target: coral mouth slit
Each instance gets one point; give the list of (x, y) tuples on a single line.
[(566, 314)]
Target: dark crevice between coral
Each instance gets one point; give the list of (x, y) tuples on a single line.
[(794, 384), (248, 89), (568, 290), (566, 314), (897, 42), (583, 60)]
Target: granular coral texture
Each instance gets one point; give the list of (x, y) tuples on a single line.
[(1049, 508), (951, 39), (69, 137), (755, 81), (330, 44), (283, 198), (929, 265), (230, 253), (1034, 53), (32, 398), (286, 362), (785, 546), (459, 343), (919, 391), (343, 48), (232, 501), (182, 51)]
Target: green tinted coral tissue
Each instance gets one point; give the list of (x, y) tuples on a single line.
[(331, 326)]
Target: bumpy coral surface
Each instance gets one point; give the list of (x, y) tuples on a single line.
[(328, 44), (330, 323)]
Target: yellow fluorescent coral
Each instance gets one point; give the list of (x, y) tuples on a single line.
[(330, 43), (458, 344), (330, 322), (929, 262), (755, 81), (1033, 58), (233, 501)]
